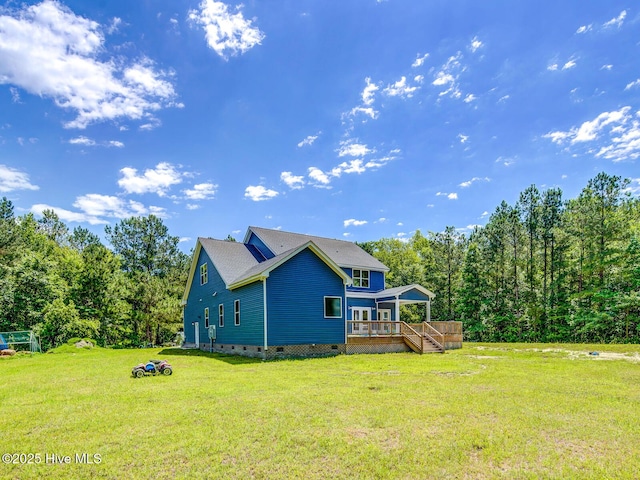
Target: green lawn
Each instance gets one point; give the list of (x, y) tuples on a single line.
[(485, 411)]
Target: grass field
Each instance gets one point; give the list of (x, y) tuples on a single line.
[(486, 411)]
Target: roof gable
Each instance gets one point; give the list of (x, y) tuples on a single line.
[(262, 270), (238, 265), (341, 252)]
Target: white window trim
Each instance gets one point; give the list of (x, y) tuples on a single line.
[(236, 312), (221, 315), (324, 306), (204, 274), (360, 277), (206, 317)]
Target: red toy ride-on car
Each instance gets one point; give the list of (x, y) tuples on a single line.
[(152, 367)]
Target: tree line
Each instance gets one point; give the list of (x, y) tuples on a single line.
[(64, 284), (544, 269)]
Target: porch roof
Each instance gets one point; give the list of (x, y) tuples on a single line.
[(405, 294)]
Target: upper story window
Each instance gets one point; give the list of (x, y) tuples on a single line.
[(204, 274), (236, 312), (360, 278)]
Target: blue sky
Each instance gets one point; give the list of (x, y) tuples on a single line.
[(354, 120)]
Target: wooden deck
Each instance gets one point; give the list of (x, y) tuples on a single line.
[(378, 336)]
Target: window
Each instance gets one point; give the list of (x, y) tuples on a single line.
[(206, 317), (332, 307), (360, 278), (221, 315), (236, 312), (204, 274)]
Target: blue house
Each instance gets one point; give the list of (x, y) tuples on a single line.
[(287, 294)]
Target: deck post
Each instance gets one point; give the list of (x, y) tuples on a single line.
[(428, 310)]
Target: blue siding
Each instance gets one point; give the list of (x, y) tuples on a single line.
[(414, 295), (376, 281), (255, 241), (251, 328), (295, 300)]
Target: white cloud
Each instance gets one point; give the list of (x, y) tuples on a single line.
[(468, 183), (590, 130), (400, 89), (569, 64), (418, 78), (154, 180), (82, 140), (201, 191), (450, 196), (475, 44), (463, 138), (94, 206), (507, 162), (258, 193), (469, 98), (353, 166), (368, 111), (227, 33), (320, 178), (617, 21), (309, 140), (368, 94), (419, 61), (67, 215), (353, 222), (294, 182), (114, 25), (192, 206), (15, 95), (553, 67), (12, 179), (606, 67), (633, 84), (620, 141), (448, 76), (350, 148), (48, 51), (584, 28), (88, 142)]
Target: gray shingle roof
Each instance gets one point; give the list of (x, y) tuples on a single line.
[(345, 254), (231, 259)]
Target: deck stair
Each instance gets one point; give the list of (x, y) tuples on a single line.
[(422, 337)]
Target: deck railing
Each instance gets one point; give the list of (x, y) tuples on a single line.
[(373, 328)]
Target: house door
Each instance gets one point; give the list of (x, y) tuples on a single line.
[(384, 315), (196, 327), (360, 316)]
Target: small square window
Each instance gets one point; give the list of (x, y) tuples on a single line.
[(360, 278), (332, 307)]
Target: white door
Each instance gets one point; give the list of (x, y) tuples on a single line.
[(196, 326), (384, 315), (361, 315)]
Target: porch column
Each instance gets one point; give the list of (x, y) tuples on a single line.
[(397, 309), (429, 310)]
